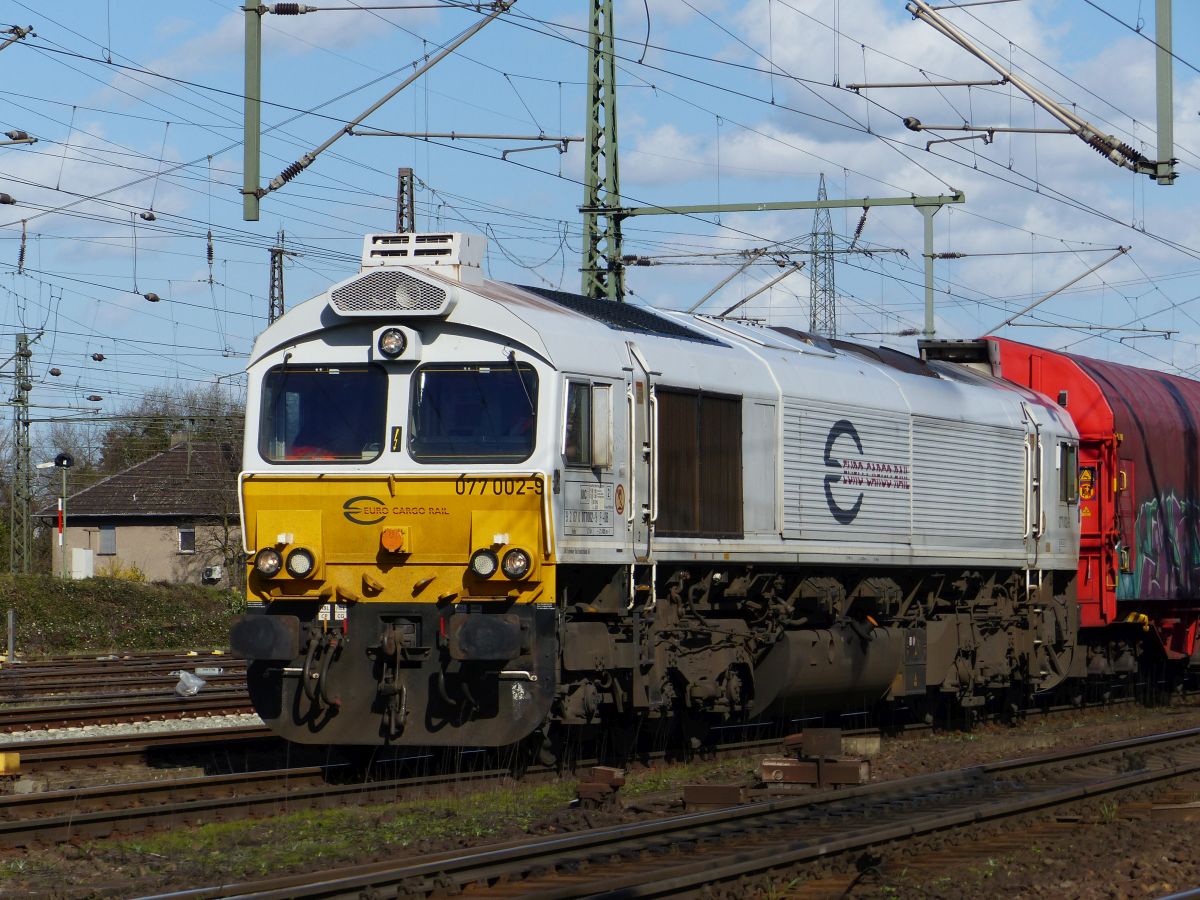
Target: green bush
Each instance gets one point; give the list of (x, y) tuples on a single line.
[(56, 616), (125, 573)]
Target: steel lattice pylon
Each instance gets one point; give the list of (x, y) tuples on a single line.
[(275, 289), (406, 218), (21, 509), (603, 273), (822, 293)]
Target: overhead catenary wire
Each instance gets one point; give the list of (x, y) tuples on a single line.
[(1142, 35), (499, 7), (143, 243)]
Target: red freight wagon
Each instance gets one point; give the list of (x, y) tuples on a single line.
[(1139, 487)]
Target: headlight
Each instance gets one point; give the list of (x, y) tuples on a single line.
[(484, 563), (300, 563), (268, 562), (516, 564), (392, 342)]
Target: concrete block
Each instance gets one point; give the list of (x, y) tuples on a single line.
[(864, 746), (27, 785)]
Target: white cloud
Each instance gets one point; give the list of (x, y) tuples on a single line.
[(220, 48), (666, 154), (772, 160)]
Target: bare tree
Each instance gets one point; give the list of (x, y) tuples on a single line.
[(221, 538)]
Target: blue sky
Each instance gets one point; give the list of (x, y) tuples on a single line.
[(137, 106)]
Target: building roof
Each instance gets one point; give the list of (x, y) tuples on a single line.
[(189, 479)]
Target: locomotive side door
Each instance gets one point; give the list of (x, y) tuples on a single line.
[(1035, 500), (642, 411)]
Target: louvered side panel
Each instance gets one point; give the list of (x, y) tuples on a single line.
[(968, 484), (792, 469), (846, 474)]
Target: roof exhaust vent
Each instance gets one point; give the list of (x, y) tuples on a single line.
[(452, 254)]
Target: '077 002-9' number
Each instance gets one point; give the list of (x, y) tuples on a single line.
[(499, 487)]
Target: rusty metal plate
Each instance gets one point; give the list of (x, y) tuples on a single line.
[(815, 742), (713, 796), (815, 771), (1176, 812), (607, 775)]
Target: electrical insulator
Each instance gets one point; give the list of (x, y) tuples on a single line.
[(210, 248), (152, 297), (286, 175), (56, 371), (291, 9), (861, 222)]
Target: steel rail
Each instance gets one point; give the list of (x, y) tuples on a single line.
[(93, 813), (132, 748), (102, 687), (26, 818), (98, 811), (113, 669), (766, 832), (21, 682), (148, 658), (128, 709)]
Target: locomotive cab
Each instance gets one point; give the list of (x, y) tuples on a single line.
[(400, 571)]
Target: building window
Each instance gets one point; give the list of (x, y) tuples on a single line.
[(108, 540), (187, 539)]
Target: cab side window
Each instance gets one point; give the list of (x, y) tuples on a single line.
[(1068, 473), (577, 440)]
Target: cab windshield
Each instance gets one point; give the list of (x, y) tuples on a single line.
[(328, 412), (474, 412)]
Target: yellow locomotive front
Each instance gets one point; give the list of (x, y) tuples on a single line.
[(400, 564)]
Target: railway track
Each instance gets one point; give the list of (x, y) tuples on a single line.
[(99, 812), (112, 687), (107, 810), (65, 666), (121, 709), (131, 749), (684, 854), (97, 751), (101, 677)]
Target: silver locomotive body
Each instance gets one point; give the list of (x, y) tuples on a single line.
[(712, 519)]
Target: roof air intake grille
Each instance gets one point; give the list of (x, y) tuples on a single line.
[(390, 290)]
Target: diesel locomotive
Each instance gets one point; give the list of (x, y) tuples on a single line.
[(474, 512)]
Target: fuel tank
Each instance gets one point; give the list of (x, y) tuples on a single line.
[(815, 670)]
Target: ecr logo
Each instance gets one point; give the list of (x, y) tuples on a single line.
[(372, 510), (842, 427)]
